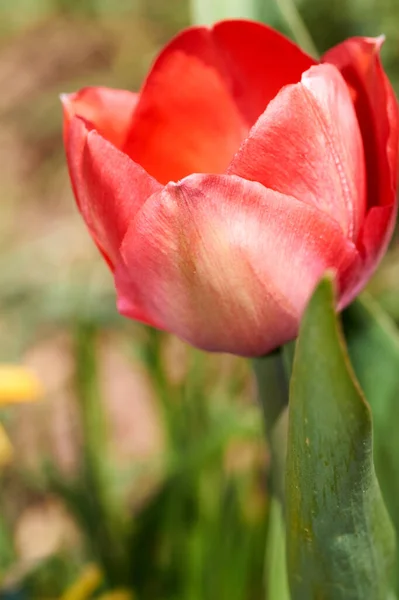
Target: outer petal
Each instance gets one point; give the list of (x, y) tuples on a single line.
[(110, 111), (109, 187), (205, 90), (227, 264), (377, 226), (359, 61), (307, 144)]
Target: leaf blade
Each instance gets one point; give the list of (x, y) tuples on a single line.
[(340, 540), (206, 12), (373, 345)]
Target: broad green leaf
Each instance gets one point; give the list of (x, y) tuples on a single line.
[(373, 345), (384, 286), (340, 541)]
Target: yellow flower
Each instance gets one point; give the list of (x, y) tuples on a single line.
[(117, 595), (84, 587), (88, 583), (5, 448), (18, 384)]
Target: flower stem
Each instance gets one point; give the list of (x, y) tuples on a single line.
[(272, 375), (300, 32), (272, 382)]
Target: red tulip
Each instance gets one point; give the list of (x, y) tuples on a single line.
[(241, 172)]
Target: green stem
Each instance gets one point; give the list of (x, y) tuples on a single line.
[(107, 526), (300, 32), (272, 375), (276, 580), (272, 382), (166, 393), (272, 387)]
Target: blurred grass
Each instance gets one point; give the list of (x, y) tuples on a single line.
[(145, 457)]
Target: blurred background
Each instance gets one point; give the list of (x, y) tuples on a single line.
[(140, 472)]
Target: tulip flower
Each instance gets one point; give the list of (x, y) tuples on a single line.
[(240, 173)]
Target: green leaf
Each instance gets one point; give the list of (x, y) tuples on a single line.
[(276, 582), (373, 345), (292, 17), (281, 14), (206, 12), (340, 541)]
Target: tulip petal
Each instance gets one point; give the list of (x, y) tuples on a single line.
[(307, 144), (377, 112), (359, 61), (227, 264), (259, 61), (375, 237), (109, 187), (204, 92), (193, 126), (109, 111)]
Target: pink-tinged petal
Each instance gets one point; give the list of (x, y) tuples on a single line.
[(377, 111), (359, 61), (109, 111), (109, 187), (307, 144), (393, 135), (375, 237), (227, 264), (205, 90)]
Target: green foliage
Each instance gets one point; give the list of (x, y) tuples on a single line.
[(276, 568), (198, 531), (373, 344), (209, 11), (340, 540), (198, 515)]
